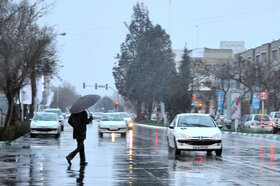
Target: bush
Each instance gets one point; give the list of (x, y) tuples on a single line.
[(15, 131)]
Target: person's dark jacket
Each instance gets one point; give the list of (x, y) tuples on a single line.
[(79, 123)]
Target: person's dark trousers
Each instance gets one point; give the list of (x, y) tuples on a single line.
[(81, 149)]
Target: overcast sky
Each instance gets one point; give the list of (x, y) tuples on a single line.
[(95, 29)]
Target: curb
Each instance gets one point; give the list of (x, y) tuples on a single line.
[(266, 136)]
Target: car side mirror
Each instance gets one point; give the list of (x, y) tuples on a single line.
[(171, 126), (220, 126)]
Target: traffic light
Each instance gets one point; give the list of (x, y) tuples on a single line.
[(213, 107), (106, 86), (95, 86), (84, 85), (200, 105), (117, 102)]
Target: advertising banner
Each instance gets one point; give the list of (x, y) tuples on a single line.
[(235, 105), (220, 100), (256, 101)]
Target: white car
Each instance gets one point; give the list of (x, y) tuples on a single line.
[(194, 132), (45, 123), (275, 117), (97, 115), (112, 122), (60, 115), (126, 116), (259, 122)]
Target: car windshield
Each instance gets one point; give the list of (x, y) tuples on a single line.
[(277, 115), (45, 117), (259, 118), (195, 121), (125, 115), (112, 117), (54, 111)]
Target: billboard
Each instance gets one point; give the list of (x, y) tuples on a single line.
[(220, 100), (234, 105), (256, 101)]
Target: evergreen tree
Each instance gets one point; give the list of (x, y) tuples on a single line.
[(178, 89), (145, 62)]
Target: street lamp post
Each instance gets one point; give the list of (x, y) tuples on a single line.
[(257, 78)]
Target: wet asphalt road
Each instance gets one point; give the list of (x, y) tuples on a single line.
[(140, 158)]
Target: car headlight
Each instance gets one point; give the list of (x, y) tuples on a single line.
[(33, 125), (130, 124), (184, 136), (55, 126), (217, 136)]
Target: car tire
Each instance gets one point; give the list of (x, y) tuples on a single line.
[(57, 135), (169, 147), (100, 134), (32, 135), (209, 152), (274, 131), (176, 150), (62, 127), (123, 135), (219, 152)]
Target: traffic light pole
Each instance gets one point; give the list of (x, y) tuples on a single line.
[(106, 86)]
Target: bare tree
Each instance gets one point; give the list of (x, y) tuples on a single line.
[(64, 96), (17, 31)]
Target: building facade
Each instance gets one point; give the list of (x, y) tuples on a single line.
[(266, 54)]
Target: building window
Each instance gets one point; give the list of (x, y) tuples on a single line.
[(274, 55), (263, 57), (258, 59)]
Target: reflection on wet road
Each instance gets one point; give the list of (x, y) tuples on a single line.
[(140, 158)]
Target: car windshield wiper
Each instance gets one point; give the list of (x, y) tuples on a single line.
[(201, 125), (185, 124)]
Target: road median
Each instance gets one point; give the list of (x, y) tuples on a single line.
[(257, 135)]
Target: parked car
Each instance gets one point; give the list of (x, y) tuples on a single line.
[(60, 115), (194, 132), (259, 122), (112, 122), (275, 117), (45, 123)]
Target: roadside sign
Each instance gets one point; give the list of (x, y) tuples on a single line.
[(263, 95), (256, 101)]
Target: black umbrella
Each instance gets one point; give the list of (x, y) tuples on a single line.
[(84, 103)]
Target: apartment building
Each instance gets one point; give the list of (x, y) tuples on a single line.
[(267, 53)]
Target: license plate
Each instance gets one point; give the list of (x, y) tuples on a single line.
[(200, 147), (113, 129)]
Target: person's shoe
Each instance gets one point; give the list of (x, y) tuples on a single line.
[(68, 160), (83, 163)]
